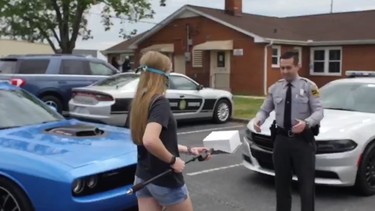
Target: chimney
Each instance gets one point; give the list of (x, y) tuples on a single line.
[(233, 7)]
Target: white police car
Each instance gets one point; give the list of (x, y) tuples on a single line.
[(107, 101), (346, 144)]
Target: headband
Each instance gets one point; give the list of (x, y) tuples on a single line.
[(144, 68)]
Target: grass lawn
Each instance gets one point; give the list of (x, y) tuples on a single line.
[(246, 108)]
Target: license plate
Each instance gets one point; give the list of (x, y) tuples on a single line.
[(85, 100), (81, 110)]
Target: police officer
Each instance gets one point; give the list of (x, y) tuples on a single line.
[(298, 109)]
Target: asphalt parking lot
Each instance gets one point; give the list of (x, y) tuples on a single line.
[(223, 184)]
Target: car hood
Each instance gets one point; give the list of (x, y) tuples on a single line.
[(72, 151), (335, 124)]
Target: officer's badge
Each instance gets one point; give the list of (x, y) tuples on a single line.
[(182, 105)]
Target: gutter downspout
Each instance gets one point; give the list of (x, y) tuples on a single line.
[(265, 71)]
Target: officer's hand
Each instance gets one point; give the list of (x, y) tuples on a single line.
[(299, 127), (257, 126)]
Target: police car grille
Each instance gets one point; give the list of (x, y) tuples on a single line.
[(262, 141)]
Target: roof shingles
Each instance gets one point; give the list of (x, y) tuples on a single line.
[(324, 27), (345, 26)]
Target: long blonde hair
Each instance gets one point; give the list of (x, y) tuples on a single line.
[(150, 84)]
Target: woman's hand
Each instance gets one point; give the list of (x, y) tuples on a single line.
[(179, 165), (200, 150)]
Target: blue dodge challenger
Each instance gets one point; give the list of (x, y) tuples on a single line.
[(51, 163)]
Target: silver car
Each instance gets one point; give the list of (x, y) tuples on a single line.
[(107, 101), (345, 145)]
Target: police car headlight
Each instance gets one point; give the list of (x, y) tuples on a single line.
[(78, 186), (335, 146)]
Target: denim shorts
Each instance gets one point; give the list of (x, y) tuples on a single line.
[(164, 195)]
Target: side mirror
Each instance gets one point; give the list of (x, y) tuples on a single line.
[(200, 87)]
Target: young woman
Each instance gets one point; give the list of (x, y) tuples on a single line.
[(153, 129)]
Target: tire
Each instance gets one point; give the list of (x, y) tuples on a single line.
[(16, 196), (222, 111), (53, 101), (365, 185)]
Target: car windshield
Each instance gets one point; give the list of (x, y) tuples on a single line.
[(349, 96), (18, 108), (126, 81), (8, 66)]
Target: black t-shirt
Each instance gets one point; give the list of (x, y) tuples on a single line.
[(148, 165)]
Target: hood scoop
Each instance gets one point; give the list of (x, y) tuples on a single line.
[(76, 131)]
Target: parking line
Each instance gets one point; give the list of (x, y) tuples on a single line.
[(214, 169), (210, 129)]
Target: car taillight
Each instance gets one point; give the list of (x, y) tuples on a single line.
[(98, 97), (17, 82)]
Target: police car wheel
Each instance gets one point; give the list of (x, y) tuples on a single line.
[(13, 197), (365, 182), (222, 111), (53, 101)]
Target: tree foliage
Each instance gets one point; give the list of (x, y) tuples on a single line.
[(65, 20)]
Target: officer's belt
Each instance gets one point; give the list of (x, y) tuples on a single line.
[(287, 133)]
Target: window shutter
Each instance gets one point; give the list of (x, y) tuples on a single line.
[(197, 58)]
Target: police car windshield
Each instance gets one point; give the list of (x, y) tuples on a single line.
[(349, 96), (17, 108), (120, 81)]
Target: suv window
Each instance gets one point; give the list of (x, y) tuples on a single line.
[(74, 67), (33, 66), (100, 69), (8, 66), (182, 83)]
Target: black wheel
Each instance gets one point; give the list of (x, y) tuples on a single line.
[(53, 101), (12, 198), (222, 111), (365, 182)]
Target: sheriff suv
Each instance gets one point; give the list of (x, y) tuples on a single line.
[(52, 77)]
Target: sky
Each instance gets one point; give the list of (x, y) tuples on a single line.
[(280, 8)]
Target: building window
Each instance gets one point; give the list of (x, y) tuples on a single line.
[(299, 51), (197, 58), (326, 61), (221, 59), (276, 53)]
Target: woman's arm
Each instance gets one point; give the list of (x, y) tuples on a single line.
[(153, 144), (184, 149), (193, 150)]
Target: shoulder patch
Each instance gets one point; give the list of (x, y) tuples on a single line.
[(313, 87), (314, 90)]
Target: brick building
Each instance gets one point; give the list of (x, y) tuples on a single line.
[(229, 49)]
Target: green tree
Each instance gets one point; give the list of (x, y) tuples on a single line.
[(66, 20)]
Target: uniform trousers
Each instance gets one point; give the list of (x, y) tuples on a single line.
[(294, 155)]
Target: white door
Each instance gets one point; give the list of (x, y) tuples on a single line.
[(179, 64), (220, 70)]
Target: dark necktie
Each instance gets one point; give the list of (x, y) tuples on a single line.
[(288, 108)]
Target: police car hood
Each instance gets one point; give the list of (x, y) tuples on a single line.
[(335, 124)]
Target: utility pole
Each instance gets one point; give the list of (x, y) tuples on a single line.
[(331, 6)]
